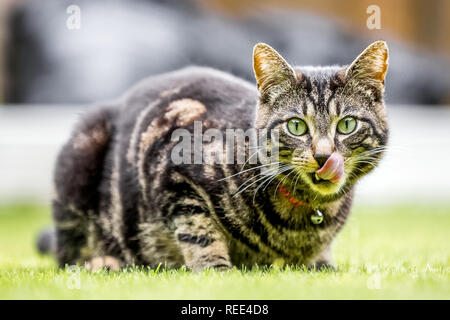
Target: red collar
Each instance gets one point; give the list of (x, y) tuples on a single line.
[(291, 199)]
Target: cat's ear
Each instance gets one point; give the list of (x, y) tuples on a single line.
[(270, 68), (371, 65)]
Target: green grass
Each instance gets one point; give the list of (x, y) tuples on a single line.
[(397, 252)]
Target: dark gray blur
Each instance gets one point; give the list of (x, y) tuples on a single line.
[(121, 42)]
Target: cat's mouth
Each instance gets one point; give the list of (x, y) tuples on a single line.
[(332, 170), (329, 177), (315, 178), (322, 186), (318, 181)]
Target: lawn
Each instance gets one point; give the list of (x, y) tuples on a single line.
[(395, 252)]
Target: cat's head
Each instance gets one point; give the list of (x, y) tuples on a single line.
[(331, 121)]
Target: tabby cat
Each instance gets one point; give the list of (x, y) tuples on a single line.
[(120, 199)]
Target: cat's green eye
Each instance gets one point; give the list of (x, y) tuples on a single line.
[(297, 126), (346, 125)]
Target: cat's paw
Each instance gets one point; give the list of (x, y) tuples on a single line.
[(103, 263), (322, 266), (216, 267), (222, 267)]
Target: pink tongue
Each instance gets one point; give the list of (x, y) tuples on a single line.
[(333, 169)]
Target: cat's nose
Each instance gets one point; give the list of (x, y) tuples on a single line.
[(321, 158)]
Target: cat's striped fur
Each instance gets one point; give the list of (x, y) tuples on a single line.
[(119, 195)]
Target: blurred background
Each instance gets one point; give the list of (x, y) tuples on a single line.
[(53, 68)]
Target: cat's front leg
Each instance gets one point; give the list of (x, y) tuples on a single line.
[(324, 261), (201, 243)]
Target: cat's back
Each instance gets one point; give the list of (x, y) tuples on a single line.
[(191, 93), (144, 126)]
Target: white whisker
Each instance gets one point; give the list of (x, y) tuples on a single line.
[(250, 169), (240, 191)]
